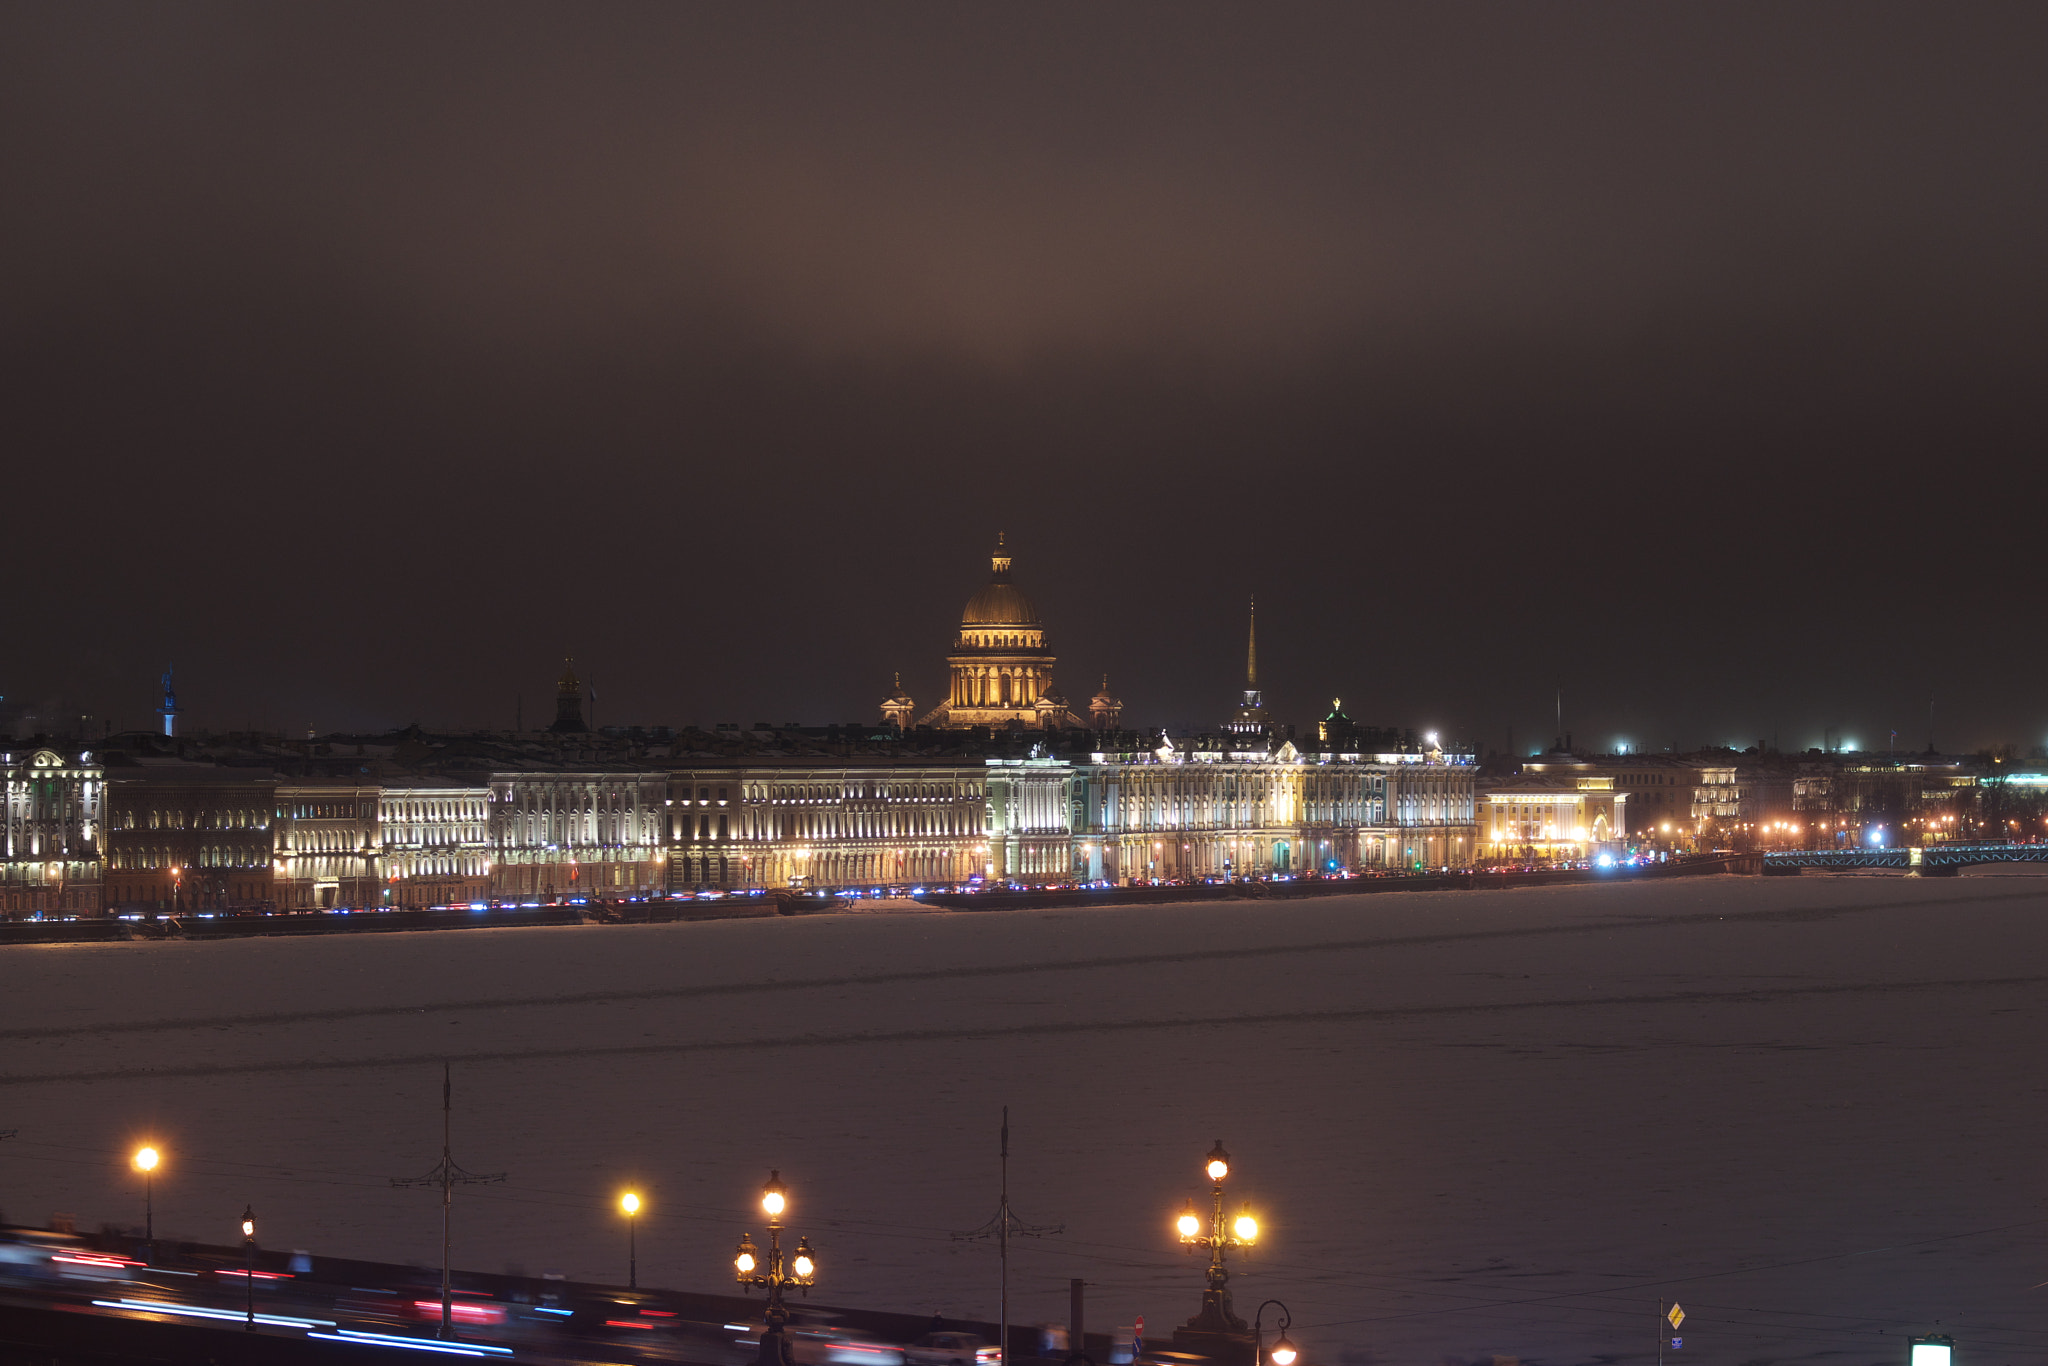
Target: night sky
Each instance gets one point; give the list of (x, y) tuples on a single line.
[(365, 360)]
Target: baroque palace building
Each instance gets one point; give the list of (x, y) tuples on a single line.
[(797, 823), (53, 848), (596, 833)]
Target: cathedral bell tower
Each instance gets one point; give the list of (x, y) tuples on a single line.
[(1105, 709), (899, 709)]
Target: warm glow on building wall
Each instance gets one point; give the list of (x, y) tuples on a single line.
[(1547, 818)]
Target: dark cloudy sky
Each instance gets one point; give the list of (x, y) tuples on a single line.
[(364, 360)]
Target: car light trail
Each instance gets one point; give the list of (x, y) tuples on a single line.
[(468, 1313), (194, 1311), (362, 1339)]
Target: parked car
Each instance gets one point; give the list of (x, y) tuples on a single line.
[(950, 1349)]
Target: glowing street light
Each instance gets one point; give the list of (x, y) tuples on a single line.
[(748, 1271), (146, 1159), (249, 1263), (1216, 1315), (630, 1203)]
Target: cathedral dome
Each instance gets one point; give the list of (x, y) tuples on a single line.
[(1001, 603)]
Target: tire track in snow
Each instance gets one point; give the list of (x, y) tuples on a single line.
[(1751, 996), (711, 990)]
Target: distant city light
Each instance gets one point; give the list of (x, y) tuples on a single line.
[(1929, 1352)]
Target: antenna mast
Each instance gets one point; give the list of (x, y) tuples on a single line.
[(1000, 1228), (447, 1176)]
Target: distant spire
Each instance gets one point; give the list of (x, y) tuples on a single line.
[(169, 710), (1251, 652), (569, 702), (1000, 561)]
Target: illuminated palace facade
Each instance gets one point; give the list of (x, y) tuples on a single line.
[(776, 823), (52, 850), (1214, 810), (1024, 789), (1215, 807)]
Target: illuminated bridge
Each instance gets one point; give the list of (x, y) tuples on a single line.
[(1935, 860)]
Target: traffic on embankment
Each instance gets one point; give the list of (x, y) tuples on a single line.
[(667, 908)]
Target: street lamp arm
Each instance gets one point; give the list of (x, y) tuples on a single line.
[(1283, 1353)]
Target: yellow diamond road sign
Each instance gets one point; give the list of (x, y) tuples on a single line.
[(1677, 1316)]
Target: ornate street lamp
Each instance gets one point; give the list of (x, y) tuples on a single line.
[(1243, 1231), (630, 1203), (1283, 1353), (249, 1263), (801, 1271)]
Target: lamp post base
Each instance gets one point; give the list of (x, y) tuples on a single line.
[(1217, 1315), (774, 1342), (1217, 1332)]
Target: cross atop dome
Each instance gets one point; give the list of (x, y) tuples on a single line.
[(1000, 561)]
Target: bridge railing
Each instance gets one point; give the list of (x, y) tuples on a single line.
[(1932, 857)]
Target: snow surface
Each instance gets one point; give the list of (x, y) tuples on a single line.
[(1473, 1123)]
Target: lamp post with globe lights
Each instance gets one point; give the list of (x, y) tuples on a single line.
[(1220, 1235), (801, 1271)]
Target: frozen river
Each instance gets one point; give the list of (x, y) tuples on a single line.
[(1511, 1123)]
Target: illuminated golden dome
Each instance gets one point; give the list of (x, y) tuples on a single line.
[(1001, 603)]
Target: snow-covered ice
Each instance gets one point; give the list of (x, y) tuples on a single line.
[(1472, 1123)]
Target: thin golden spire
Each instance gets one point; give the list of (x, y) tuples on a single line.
[(1251, 652)]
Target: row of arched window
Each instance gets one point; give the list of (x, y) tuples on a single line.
[(207, 856)]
